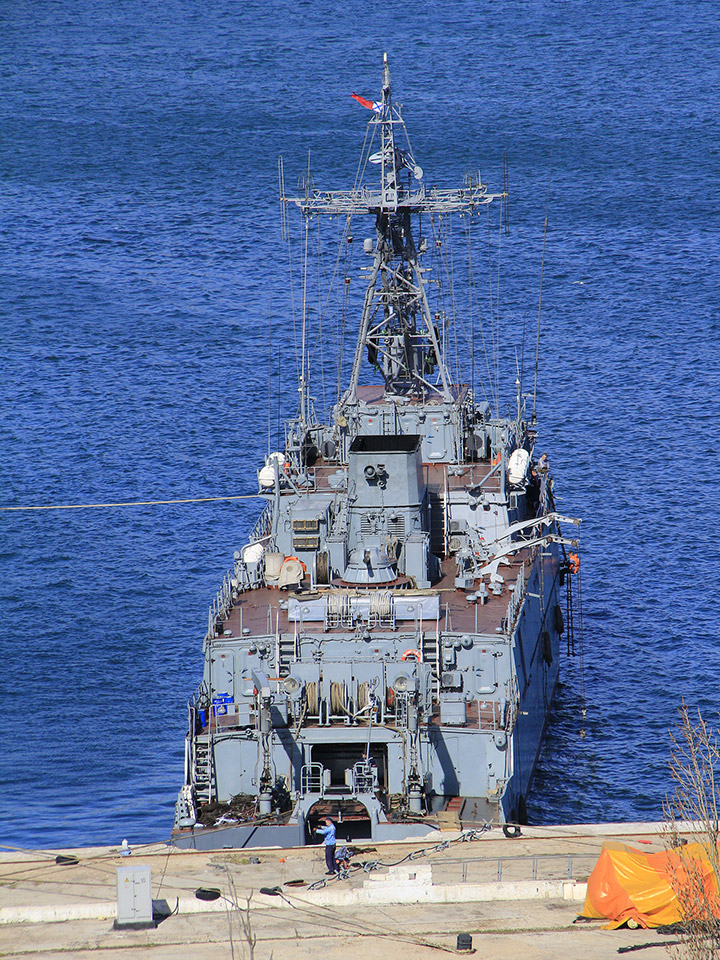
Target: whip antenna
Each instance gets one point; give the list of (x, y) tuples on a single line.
[(283, 201), (506, 194), (542, 271)]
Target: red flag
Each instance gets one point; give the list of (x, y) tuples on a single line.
[(366, 103)]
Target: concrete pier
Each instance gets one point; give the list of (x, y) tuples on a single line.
[(516, 897)]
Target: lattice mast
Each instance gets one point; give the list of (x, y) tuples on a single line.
[(397, 332)]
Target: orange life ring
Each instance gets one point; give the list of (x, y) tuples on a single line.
[(412, 653), (299, 561)]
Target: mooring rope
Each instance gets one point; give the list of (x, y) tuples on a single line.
[(131, 503)]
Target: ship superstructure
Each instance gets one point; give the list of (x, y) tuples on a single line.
[(386, 645)]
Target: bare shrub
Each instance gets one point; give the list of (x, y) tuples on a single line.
[(691, 812)]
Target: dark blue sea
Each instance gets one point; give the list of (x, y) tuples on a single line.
[(145, 322)]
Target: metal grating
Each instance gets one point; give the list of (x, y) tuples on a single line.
[(303, 525), (306, 543), (368, 525), (396, 527)]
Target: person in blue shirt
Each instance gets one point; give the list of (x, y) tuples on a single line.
[(342, 860), (328, 831)]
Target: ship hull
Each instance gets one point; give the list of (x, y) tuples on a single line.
[(456, 755)]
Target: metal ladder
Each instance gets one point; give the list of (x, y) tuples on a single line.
[(436, 503), (203, 773), (429, 652), (287, 654)]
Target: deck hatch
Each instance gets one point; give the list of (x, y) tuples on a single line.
[(386, 443)]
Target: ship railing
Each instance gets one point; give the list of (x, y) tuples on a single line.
[(364, 778), (516, 598), (512, 705), (189, 741), (543, 866), (312, 779), (545, 504), (263, 526), (320, 477), (438, 661), (224, 714), (221, 605), (237, 578)]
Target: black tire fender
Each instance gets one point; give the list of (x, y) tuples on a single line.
[(547, 648), (512, 831)]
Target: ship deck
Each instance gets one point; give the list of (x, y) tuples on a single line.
[(260, 611), (322, 477)]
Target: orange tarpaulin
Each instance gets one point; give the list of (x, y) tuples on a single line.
[(631, 884)]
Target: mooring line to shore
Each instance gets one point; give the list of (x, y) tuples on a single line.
[(131, 503)]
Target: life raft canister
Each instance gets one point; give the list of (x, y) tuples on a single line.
[(517, 467)]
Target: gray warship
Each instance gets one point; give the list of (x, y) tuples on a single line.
[(386, 646)]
